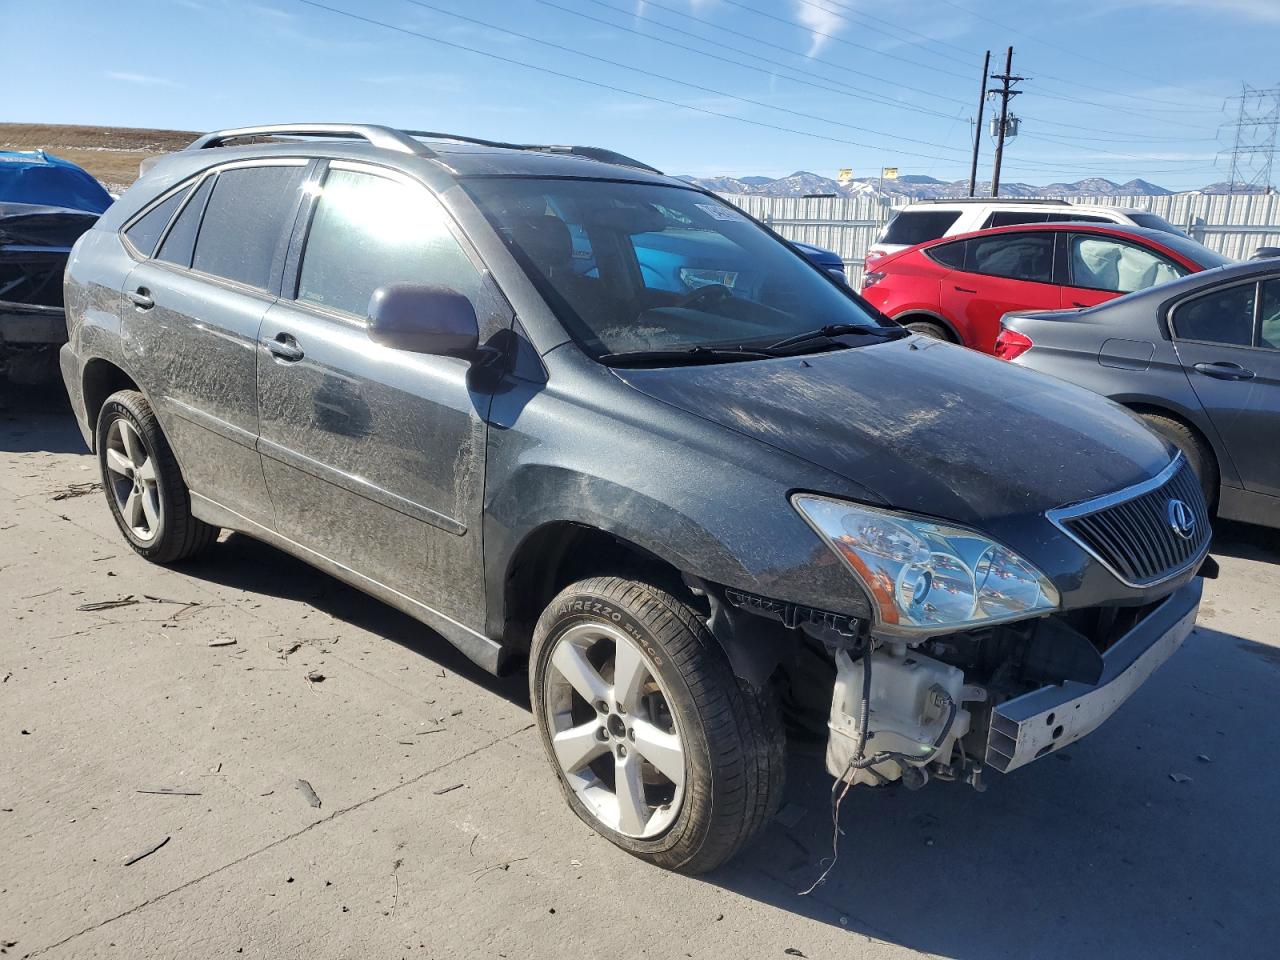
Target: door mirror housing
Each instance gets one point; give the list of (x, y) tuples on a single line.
[(424, 318)]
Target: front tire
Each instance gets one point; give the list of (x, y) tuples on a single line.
[(1203, 462), (143, 484), (933, 331), (658, 746)]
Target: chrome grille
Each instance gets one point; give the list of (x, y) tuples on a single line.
[(1133, 532)]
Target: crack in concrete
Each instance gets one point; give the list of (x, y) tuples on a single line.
[(277, 842)]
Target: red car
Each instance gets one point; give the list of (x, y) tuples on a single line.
[(958, 288)]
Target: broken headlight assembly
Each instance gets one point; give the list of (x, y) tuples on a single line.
[(926, 577)]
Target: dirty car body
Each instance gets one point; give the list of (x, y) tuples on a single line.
[(45, 205), (940, 561)]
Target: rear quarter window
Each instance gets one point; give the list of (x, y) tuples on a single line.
[(948, 254), (917, 226), (145, 232), (244, 222)]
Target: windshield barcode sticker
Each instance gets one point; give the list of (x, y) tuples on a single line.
[(717, 212)]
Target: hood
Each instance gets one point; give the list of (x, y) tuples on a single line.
[(929, 427), (819, 255)]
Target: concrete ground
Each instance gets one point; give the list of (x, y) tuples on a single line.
[(440, 831)]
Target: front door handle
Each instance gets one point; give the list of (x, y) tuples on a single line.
[(1224, 371), (141, 298), (285, 347), (965, 290)]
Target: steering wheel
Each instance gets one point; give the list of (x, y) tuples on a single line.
[(707, 296)]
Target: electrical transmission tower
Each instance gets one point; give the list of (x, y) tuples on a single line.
[(1256, 126)]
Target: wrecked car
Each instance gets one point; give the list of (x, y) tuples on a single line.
[(700, 517), (46, 203)]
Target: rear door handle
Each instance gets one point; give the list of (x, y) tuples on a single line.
[(1224, 371), (965, 290), (141, 298), (285, 347)]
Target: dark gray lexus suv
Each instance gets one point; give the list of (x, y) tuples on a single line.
[(562, 408)]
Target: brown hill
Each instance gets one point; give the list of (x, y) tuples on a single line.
[(111, 154)]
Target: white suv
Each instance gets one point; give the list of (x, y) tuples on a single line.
[(931, 219)]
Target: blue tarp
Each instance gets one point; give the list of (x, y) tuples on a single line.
[(44, 179)]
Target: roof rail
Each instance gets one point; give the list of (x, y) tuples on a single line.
[(1045, 200), (591, 153), (377, 136)]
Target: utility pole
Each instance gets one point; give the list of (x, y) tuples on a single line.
[(977, 130), (1005, 92)]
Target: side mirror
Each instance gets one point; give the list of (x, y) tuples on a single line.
[(422, 318)]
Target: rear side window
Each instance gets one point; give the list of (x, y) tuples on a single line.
[(1076, 218), (1223, 316), (244, 222), (181, 241), (147, 229), (1014, 218), (916, 226), (1016, 256), (948, 254), (369, 231)]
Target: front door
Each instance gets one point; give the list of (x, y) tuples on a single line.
[(1100, 268), (1004, 272), (191, 321), (375, 457), (1228, 341)]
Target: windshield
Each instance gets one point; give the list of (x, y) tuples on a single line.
[(631, 267), (1153, 221), (1194, 251)]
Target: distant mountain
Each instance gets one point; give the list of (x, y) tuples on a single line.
[(916, 187)]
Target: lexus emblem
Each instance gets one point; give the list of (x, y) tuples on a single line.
[(1181, 519)]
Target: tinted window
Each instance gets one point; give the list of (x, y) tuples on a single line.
[(181, 241), (1154, 221), (244, 222), (1101, 263), (948, 254), (1013, 218), (1269, 325), (146, 231), (916, 226), (1018, 256), (1076, 218), (1223, 316), (369, 231)]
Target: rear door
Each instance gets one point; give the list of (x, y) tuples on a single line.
[(192, 319), (375, 457), (1098, 268), (1002, 272), (1228, 341)]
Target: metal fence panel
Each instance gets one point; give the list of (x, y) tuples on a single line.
[(1234, 226)]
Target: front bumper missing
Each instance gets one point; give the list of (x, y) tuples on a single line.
[(1034, 724)]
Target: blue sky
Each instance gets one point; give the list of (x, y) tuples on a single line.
[(1117, 88)]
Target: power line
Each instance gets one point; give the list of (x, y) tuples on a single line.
[(858, 13), (845, 14)]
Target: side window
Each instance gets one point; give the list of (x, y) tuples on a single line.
[(948, 254), (181, 241), (369, 231), (1077, 218), (916, 226), (1269, 319), (244, 222), (1013, 218), (1223, 316), (1017, 256), (147, 229), (1101, 263)]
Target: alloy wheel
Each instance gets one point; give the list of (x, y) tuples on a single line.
[(131, 472), (613, 733)]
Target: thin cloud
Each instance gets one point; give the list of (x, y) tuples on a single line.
[(818, 20), (142, 79)]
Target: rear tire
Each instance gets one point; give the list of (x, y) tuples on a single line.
[(730, 741), (143, 484), (1197, 452), (932, 330)]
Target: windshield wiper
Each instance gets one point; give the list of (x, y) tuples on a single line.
[(698, 354), (835, 330)]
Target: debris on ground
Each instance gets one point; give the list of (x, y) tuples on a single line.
[(290, 650), (307, 791), (444, 790), (108, 604), (1179, 778), (77, 490), (503, 865), (223, 642), (792, 952), (145, 853), (171, 792), (315, 676), (1202, 758)]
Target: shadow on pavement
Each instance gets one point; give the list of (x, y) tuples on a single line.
[(37, 418), (1094, 851), (1246, 541), (239, 562)]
